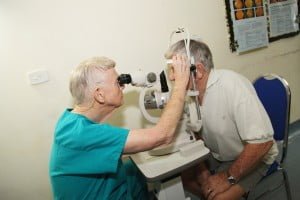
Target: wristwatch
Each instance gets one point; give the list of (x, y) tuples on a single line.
[(231, 179)]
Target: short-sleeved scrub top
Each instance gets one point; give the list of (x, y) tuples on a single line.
[(86, 162)]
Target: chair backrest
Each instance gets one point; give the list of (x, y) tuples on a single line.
[(274, 93)]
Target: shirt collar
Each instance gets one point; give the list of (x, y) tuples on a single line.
[(213, 77)]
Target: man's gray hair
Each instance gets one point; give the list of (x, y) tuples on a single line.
[(85, 77), (199, 50)]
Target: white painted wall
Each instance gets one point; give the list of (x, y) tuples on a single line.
[(56, 35)]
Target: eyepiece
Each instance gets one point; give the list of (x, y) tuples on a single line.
[(193, 68), (124, 79), (163, 82)]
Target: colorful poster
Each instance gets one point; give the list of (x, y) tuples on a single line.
[(249, 24)]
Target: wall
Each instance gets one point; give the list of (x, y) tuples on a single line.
[(57, 35)]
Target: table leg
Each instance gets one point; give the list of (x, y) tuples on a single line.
[(172, 189)]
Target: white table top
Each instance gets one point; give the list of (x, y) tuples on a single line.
[(157, 168)]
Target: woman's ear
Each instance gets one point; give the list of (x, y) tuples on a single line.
[(99, 95)]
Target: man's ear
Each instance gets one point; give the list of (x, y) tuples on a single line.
[(99, 95), (200, 70)]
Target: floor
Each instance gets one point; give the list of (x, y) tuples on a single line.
[(274, 182)]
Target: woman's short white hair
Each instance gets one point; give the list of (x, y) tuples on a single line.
[(85, 77)]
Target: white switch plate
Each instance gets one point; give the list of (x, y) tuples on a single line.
[(38, 76)]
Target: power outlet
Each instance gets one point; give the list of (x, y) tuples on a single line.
[(38, 76)]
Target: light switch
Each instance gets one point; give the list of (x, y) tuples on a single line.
[(38, 76)]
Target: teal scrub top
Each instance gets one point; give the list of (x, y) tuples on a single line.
[(85, 161)]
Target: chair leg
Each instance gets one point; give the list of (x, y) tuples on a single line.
[(287, 184)]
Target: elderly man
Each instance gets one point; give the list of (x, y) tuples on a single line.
[(236, 129), (86, 154)]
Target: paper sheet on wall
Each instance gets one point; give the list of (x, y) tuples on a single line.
[(249, 24), (282, 16)]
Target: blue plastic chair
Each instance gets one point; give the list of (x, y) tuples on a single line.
[(274, 93)]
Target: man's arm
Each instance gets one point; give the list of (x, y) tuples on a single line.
[(250, 157), (145, 139)]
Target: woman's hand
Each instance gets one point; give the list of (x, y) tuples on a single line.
[(181, 69)]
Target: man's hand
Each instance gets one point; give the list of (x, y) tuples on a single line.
[(214, 185), (202, 181), (202, 174)]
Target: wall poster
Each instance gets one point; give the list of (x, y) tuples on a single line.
[(282, 16), (252, 24)]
